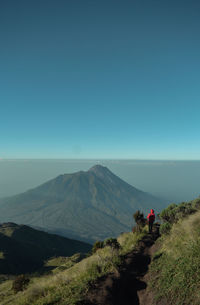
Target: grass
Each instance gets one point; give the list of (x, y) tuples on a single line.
[(129, 240), (62, 263), (70, 280), (175, 272)]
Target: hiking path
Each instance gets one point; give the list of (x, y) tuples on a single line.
[(128, 285)]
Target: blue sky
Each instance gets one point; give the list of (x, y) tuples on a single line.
[(100, 79)]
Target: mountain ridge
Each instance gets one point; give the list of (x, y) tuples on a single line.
[(91, 204)]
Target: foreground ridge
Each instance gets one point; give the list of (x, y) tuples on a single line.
[(127, 286)]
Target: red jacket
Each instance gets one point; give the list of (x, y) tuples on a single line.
[(151, 216)]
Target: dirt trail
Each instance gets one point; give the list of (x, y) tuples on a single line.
[(128, 287)]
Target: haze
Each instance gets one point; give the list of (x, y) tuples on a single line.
[(173, 180)]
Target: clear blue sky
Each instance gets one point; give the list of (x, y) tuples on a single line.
[(100, 79)]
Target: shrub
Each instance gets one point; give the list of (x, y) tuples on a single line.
[(168, 213), (139, 218), (20, 283), (112, 242), (175, 212), (196, 203), (97, 245), (140, 221)]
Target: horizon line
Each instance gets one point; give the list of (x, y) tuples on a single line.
[(96, 159)]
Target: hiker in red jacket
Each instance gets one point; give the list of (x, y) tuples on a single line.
[(151, 219)]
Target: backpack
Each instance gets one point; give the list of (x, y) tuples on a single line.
[(151, 218)]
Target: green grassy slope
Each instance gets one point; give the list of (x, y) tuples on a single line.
[(174, 272), (23, 249), (69, 281)]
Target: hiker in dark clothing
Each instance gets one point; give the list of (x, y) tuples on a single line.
[(151, 219)]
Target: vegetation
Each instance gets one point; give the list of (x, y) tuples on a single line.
[(61, 263), (140, 221), (112, 242), (20, 283), (174, 212), (24, 249), (165, 228), (97, 245), (69, 284), (174, 272)]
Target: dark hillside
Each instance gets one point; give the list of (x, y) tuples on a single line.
[(23, 249)]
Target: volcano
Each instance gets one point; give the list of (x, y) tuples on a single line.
[(86, 205)]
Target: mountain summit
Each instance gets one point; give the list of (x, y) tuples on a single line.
[(102, 172), (87, 205), (97, 169)]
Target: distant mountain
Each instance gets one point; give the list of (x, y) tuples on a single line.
[(84, 205), (24, 249)]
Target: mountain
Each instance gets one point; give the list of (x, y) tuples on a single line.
[(24, 249), (87, 205)]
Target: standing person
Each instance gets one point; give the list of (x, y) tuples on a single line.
[(151, 219)]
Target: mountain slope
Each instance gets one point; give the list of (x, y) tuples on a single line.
[(85, 205), (24, 249), (174, 274)]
